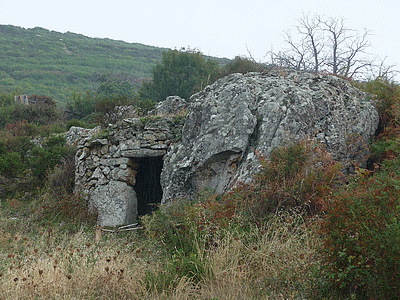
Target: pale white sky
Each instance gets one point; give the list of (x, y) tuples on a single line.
[(216, 27)]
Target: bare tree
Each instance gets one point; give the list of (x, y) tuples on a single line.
[(337, 36), (354, 58), (297, 56), (312, 38), (326, 44), (382, 70)]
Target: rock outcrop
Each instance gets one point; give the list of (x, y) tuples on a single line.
[(240, 115), (226, 125)]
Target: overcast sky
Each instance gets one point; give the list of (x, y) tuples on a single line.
[(215, 27)]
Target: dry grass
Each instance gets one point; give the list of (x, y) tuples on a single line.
[(268, 263), (46, 263), (50, 264)]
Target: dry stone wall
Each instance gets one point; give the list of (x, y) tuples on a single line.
[(107, 161)]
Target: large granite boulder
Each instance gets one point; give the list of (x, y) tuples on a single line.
[(241, 115)]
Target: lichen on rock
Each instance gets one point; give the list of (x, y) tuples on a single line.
[(225, 127), (240, 115)]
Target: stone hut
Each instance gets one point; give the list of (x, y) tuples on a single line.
[(127, 167), (118, 168)]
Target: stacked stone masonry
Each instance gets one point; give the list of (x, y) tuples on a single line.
[(107, 162)]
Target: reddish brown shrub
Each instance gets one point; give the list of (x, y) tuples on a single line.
[(299, 175)]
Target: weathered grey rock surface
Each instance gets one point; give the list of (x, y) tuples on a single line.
[(173, 105), (115, 202), (239, 115), (226, 125)]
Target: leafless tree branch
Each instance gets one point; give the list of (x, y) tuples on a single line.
[(325, 43)]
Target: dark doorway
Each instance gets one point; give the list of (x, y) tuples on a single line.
[(148, 186)]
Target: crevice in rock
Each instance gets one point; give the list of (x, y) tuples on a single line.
[(148, 187), (254, 137)]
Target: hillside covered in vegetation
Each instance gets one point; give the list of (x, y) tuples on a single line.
[(44, 62)]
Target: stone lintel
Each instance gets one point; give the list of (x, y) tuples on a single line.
[(99, 142), (114, 161), (143, 153)]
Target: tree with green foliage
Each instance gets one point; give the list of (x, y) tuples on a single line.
[(82, 105), (114, 87), (181, 73), (111, 92)]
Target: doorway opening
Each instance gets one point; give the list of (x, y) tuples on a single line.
[(148, 185)]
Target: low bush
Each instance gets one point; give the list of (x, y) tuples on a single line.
[(25, 161), (105, 108), (11, 164), (242, 65), (387, 100), (40, 114), (43, 158), (76, 123), (171, 225), (299, 175), (57, 202), (361, 249)]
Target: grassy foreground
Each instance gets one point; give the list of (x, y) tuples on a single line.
[(38, 262)]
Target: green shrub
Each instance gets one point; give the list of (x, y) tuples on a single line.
[(169, 223), (76, 123), (114, 87), (22, 128), (181, 73), (361, 253), (42, 159), (181, 240), (11, 164), (105, 107), (385, 149), (81, 106), (144, 106), (388, 100), (55, 141), (40, 114), (6, 99), (241, 65)]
